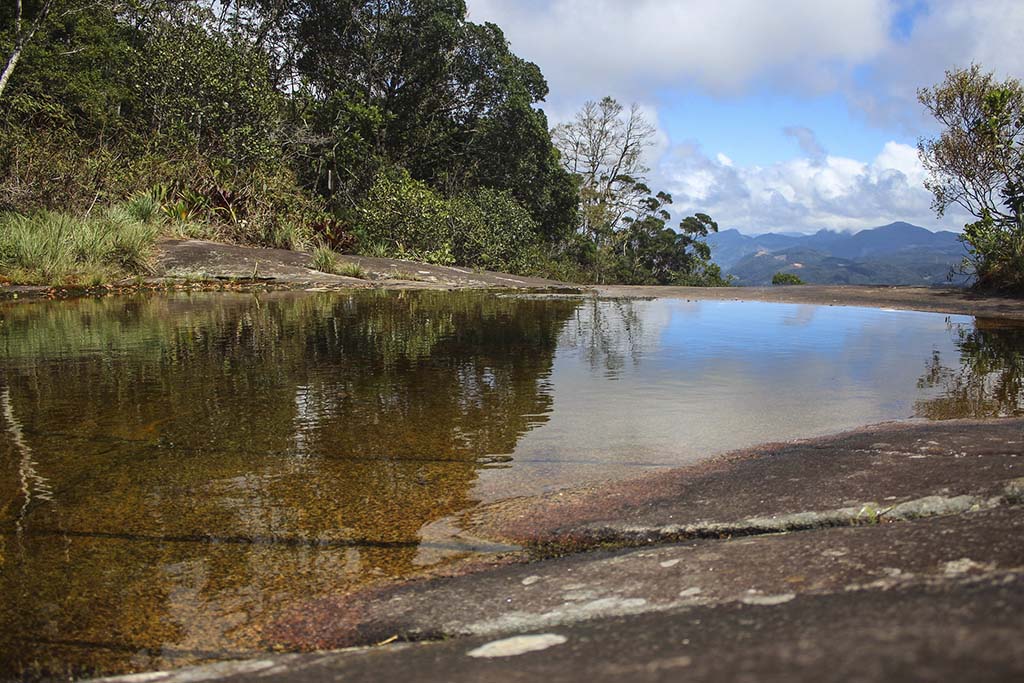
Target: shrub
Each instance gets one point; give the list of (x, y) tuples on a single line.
[(781, 278), (408, 217), (324, 259), (404, 218), (493, 231)]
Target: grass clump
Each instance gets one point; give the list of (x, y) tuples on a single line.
[(144, 208), (51, 248), (351, 270), (324, 259)]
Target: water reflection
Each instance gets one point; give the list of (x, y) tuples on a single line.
[(986, 380), (214, 458), (175, 471)]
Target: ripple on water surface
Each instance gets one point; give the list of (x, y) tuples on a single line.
[(178, 471)]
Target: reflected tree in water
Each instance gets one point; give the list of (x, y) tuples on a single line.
[(607, 334), (987, 382), (231, 455)]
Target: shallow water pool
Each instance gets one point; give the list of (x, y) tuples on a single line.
[(178, 471)]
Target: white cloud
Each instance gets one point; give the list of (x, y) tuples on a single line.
[(804, 194), (902, 158), (637, 50), (629, 48), (948, 34)]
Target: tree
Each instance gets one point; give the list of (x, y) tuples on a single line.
[(977, 163), (25, 28), (603, 146), (781, 278), (272, 118), (627, 223), (651, 253), (444, 98)]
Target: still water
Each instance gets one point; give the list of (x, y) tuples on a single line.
[(178, 471)]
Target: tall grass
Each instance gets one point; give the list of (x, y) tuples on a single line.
[(52, 248), (324, 259)]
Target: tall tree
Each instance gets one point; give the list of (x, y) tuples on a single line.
[(26, 22), (977, 163), (603, 146)]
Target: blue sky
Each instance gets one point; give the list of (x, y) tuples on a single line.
[(772, 115), (764, 116)]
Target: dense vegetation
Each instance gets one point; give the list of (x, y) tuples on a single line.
[(387, 127), (977, 163), (782, 278)]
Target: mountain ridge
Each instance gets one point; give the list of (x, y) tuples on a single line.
[(898, 253)]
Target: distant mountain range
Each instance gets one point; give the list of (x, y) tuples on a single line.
[(894, 254)]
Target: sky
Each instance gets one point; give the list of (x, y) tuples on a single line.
[(772, 115)]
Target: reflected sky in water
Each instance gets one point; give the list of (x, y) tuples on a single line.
[(666, 382), (178, 472)]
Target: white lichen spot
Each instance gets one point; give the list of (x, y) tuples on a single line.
[(961, 566), (517, 645), (767, 599)]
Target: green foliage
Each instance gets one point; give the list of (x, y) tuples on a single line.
[(648, 252), (398, 128), (279, 123), (405, 218), (493, 231), (409, 218), (622, 226), (781, 278), (351, 270), (977, 164), (60, 249), (207, 90), (144, 207), (324, 259)]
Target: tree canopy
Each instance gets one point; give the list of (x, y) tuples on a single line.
[(393, 127), (977, 163), (624, 223)]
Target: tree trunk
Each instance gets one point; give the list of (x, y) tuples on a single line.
[(9, 69), (21, 39)]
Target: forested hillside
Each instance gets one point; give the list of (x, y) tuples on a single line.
[(384, 127)]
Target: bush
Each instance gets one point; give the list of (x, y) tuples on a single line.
[(786, 279), (407, 218), (404, 218), (494, 231), (60, 249)]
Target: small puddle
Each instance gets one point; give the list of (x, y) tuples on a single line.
[(177, 471)]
